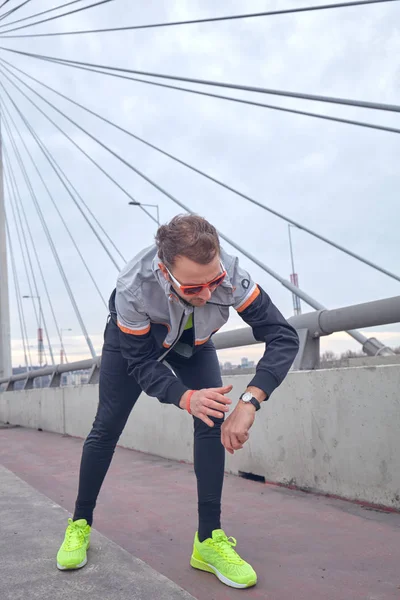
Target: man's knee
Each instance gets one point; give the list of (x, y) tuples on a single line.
[(104, 433), (202, 430)]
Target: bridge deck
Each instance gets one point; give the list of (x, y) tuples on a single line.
[(30, 531), (303, 546)]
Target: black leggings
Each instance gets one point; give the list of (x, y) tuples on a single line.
[(118, 393)]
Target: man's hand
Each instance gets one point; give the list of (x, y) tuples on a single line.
[(209, 402), (235, 430)]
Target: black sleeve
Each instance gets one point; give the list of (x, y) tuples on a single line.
[(155, 378), (140, 350), (281, 342)]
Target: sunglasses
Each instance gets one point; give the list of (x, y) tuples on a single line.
[(193, 290)]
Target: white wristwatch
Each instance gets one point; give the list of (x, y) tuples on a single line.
[(248, 398)]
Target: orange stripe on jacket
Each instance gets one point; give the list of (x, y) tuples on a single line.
[(249, 300), (134, 331), (201, 342)]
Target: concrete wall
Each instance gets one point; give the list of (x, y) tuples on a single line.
[(335, 431), (368, 361), (361, 361)]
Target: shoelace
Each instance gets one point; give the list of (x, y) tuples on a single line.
[(75, 536), (226, 547)]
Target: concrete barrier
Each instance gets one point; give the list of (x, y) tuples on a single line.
[(334, 431)]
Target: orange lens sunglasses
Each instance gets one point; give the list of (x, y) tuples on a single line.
[(193, 290)]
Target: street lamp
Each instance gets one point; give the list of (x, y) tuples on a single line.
[(40, 331), (40, 306), (134, 203), (291, 246), (293, 276), (62, 351)]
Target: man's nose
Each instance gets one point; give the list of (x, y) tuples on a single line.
[(205, 294)]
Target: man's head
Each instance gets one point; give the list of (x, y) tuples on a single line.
[(189, 252)]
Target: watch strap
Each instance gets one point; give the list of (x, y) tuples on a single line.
[(252, 401)]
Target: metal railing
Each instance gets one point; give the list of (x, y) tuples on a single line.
[(55, 372), (310, 327)]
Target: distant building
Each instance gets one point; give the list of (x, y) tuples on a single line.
[(75, 377), (245, 367)]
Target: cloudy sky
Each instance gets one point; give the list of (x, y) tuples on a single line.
[(343, 181)]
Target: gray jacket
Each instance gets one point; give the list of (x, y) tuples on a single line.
[(151, 318)]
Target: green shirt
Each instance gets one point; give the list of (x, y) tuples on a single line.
[(189, 324)]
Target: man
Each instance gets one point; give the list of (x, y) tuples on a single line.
[(168, 302)]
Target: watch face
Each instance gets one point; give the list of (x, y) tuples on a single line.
[(247, 397)]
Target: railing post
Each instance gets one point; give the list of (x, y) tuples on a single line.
[(94, 374), (55, 380), (10, 386), (28, 384), (307, 357)]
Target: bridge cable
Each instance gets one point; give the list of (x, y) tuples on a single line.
[(33, 244), (80, 148), (46, 153), (11, 11), (52, 247), (359, 337), (233, 86), (269, 13), (53, 163), (300, 293), (213, 179), (4, 3), (24, 248), (236, 100), (76, 10), (71, 185), (21, 315), (231, 99), (228, 98), (43, 12)]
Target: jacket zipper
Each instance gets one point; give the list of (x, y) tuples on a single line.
[(175, 340)]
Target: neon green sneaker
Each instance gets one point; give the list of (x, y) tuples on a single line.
[(72, 554), (217, 555)]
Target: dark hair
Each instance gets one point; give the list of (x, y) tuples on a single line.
[(190, 236)]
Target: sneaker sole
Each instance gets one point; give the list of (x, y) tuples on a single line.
[(82, 564), (203, 566)]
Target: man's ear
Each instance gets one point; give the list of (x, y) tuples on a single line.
[(164, 271)]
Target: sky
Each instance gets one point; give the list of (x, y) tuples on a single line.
[(340, 180)]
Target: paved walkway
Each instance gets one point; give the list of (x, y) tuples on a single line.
[(303, 546), (30, 536)]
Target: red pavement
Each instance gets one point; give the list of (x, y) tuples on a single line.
[(303, 546)]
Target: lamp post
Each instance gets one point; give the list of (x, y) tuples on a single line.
[(134, 203), (40, 330), (293, 276), (62, 351)]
